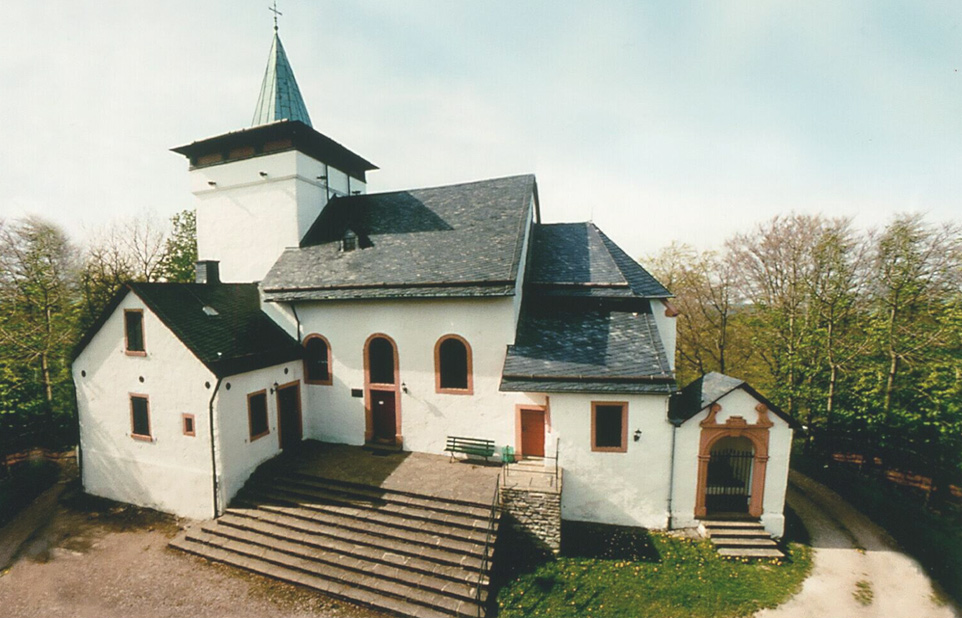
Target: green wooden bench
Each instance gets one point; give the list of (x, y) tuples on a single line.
[(470, 446)]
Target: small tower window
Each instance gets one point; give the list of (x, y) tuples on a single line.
[(134, 332)]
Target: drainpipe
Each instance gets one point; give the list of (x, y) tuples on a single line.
[(675, 423), (213, 454)]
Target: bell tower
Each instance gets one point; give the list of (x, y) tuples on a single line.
[(260, 189)]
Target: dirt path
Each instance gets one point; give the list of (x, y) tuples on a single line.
[(99, 559), (859, 572)]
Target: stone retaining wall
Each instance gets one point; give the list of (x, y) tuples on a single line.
[(536, 513)]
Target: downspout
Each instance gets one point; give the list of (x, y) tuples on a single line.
[(213, 453), (675, 423)]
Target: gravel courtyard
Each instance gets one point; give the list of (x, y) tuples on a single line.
[(98, 559)]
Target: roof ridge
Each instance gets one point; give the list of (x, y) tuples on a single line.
[(431, 188)]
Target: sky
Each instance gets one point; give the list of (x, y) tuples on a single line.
[(660, 121)]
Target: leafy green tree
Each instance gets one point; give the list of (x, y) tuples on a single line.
[(38, 292), (180, 250)]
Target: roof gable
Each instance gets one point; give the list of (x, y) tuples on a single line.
[(708, 389), (221, 324)]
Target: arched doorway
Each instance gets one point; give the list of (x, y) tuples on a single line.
[(728, 487), (740, 454), (383, 403)]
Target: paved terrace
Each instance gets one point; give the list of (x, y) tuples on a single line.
[(421, 473)]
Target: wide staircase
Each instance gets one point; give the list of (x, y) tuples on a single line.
[(403, 553), (741, 539)]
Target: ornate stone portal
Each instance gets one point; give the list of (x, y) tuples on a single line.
[(735, 426)]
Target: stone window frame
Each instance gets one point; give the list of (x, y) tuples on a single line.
[(330, 365), (250, 415), (469, 359), (143, 333), (623, 448), (148, 437)]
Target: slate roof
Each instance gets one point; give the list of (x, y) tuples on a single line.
[(587, 345), (238, 339), (460, 240), (579, 259), (708, 389)]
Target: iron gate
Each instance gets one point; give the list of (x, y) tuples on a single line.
[(729, 481)]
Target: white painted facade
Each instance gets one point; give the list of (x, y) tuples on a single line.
[(735, 403), (250, 210), (237, 455), (171, 472), (427, 417), (628, 489)]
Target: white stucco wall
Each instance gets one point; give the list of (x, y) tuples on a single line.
[(237, 455), (244, 210), (427, 417), (735, 403), (666, 328), (630, 488), (172, 472)]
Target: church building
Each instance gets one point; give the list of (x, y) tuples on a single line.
[(326, 310)]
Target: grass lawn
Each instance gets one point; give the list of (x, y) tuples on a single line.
[(614, 571)]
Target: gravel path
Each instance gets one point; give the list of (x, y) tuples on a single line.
[(102, 560), (859, 571)]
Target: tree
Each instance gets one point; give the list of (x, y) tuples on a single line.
[(38, 278), (774, 265), (916, 267), (837, 287), (180, 251), (711, 333)]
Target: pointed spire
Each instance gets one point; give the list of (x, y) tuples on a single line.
[(280, 98)]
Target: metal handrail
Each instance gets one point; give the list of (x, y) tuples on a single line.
[(487, 543), (555, 472)]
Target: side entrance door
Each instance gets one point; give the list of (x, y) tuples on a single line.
[(289, 414), (383, 413), (532, 432)]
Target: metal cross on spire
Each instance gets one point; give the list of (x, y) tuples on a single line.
[(276, 13)]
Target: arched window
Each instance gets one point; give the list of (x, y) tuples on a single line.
[(452, 366), (380, 355), (317, 360)]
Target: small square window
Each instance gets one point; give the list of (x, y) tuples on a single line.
[(609, 427), (134, 332), (188, 420)]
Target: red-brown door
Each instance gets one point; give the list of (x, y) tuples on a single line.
[(384, 415), (532, 433)]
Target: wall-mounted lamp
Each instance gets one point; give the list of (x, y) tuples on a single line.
[(637, 435), (404, 388), (263, 174), (322, 177), (274, 388), (212, 183)]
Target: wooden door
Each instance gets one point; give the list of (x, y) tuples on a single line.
[(384, 415), (289, 415), (532, 433)]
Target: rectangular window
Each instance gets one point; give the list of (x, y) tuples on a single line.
[(257, 414), (139, 417), (134, 332), (609, 426), (188, 420)]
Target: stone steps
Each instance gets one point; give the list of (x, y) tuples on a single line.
[(399, 552), (741, 539), (408, 509), (364, 514)]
